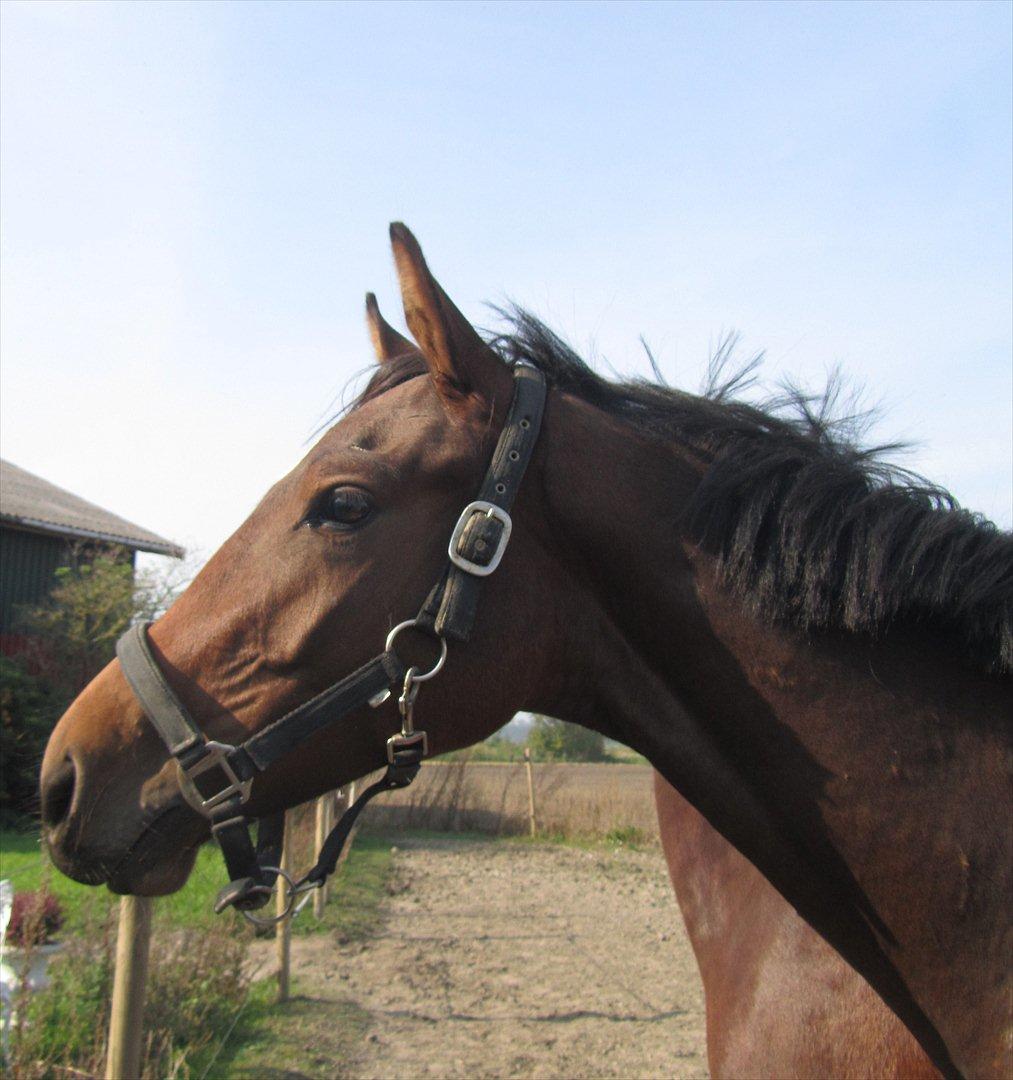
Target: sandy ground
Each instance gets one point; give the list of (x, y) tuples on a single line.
[(507, 960)]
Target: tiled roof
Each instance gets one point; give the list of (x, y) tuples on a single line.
[(33, 503)]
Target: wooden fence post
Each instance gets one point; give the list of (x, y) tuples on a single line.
[(126, 1020), (324, 820), (531, 791), (349, 799), (283, 930)]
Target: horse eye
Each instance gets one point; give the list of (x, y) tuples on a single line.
[(345, 506)]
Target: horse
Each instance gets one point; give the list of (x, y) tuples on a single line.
[(813, 649), (780, 1002)]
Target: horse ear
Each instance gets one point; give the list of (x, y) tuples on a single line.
[(387, 342), (459, 361)]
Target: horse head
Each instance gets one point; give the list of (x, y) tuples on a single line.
[(337, 553)]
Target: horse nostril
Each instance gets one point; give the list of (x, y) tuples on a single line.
[(58, 793)]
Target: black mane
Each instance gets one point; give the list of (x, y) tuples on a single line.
[(807, 526)]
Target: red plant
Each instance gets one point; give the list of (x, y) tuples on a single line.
[(35, 917)]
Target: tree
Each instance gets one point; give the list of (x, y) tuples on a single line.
[(557, 740), (95, 599), (27, 714), (72, 637)]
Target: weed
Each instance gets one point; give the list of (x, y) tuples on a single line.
[(196, 986), (35, 918), (625, 836)]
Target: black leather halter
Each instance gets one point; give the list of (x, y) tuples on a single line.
[(216, 778)]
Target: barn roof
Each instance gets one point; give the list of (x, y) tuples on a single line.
[(29, 502)]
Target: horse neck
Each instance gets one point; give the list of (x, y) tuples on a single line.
[(862, 779)]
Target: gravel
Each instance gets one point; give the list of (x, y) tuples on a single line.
[(505, 959)]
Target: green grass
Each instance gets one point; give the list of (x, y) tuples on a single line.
[(303, 1037), (625, 836), (28, 867), (356, 892), (356, 889), (306, 1036), (255, 1036)]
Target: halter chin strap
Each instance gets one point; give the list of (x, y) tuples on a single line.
[(216, 778)]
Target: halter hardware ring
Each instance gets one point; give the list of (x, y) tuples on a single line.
[(305, 889), (438, 666), (272, 920), (295, 890)]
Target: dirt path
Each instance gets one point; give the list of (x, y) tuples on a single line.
[(503, 959)]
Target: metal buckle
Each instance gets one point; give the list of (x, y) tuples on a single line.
[(490, 510), (402, 741), (217, 755)]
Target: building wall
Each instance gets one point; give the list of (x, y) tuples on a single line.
[(28, 561)]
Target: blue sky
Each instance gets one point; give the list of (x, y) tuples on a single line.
[(195, 198)]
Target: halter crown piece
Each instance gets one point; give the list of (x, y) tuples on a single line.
[(216, 778)]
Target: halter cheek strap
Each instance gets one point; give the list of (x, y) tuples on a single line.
[(216, 778), (483, 529)]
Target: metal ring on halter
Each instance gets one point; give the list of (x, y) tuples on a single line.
[(273, 920), (306, 889), (438, 666)]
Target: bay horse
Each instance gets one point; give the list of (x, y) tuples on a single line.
[(812, 649), (780, 1002)]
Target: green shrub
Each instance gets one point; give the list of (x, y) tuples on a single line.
[(557, 740), (28, 710), (65, 1025), (196, 988), (495, 748), (70, 638), (75, 631)]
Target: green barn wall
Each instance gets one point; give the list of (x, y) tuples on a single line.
[(27, 563)]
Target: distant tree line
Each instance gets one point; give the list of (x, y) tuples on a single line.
[(557, 740), (549, 739)]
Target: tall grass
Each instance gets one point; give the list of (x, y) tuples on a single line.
[(197, 985), (574, 801)]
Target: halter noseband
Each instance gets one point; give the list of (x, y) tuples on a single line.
[(216, 778)]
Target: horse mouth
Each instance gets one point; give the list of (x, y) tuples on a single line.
[(160, 859)]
